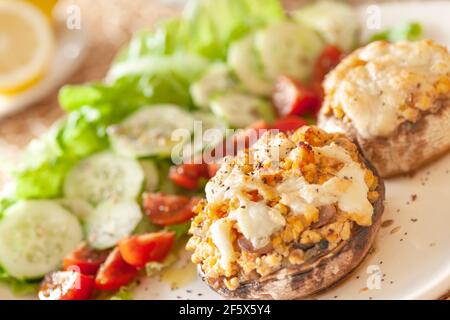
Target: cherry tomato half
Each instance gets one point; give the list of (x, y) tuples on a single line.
[(66, 285), (114, 272), (292, 98), (189, 175), (328, 59), (138, 250), (86, 259), (166, 210), (240, 140), (289, 123)]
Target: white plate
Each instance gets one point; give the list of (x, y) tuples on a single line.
[(412, 255), (69, 53)]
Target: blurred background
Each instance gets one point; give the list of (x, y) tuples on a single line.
[(107, 25)]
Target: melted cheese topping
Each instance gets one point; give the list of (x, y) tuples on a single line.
[(231, 182), (256, 220), (382, 85), (271, 147), (221, 237), (348, 189)]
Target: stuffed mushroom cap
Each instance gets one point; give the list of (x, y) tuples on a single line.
[(393, 99), (288, 217)]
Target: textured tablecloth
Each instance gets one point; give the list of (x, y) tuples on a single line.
[(109, 24)]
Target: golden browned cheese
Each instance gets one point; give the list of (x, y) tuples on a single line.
[(382, 85), (281, 202)]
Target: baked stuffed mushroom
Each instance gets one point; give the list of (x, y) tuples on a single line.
[(288, 217), (394, 101)]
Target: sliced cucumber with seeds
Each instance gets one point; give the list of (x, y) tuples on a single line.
[(104, 176), (35, 236), (112, 221), (217, 79), (246, 62), (213, 132), (149, 131), (288, 48), (337, 22), (210, 121), (151, 175), (78, 207), (241, 110)]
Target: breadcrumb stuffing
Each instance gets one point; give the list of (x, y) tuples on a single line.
[(302, 231)]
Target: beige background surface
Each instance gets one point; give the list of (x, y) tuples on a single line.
[(110, 24)]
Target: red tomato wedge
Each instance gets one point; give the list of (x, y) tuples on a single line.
[(292, 98), (213, 168), (328, 59), (166, 210), (289, 123), (114, 272), (86, 259), (189, 175), (66, 285), (240, 140), (152, 247)]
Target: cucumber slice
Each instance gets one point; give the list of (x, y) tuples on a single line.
[(78, 207), (217, 79), (148, 132), (241, 110), (207, 138), (246, 63), (336, 22), (35, 236), (151, 175), (104, 176), (288, 48), (112, 221)]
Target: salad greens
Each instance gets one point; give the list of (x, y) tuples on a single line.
[(156, 67), (409, 31), (180, 229), (18, 287), (124, 293), (210, 26)]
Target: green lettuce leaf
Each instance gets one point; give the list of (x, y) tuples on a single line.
[(19, 287), (202, 31), (180, 229), (162, 40), (43, 167), (409, 31), (5, 203), (124, 293), (184, 68), (210, 26)]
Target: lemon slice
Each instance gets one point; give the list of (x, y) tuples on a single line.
[(26, 45), (46, 6)]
